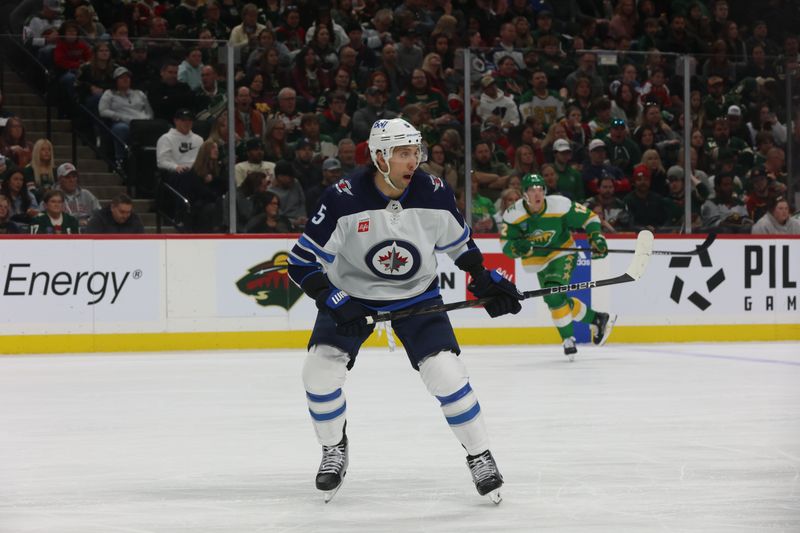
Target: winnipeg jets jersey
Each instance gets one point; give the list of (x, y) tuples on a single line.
[(379, 250)]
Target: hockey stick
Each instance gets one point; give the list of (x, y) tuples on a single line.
[(641, 256), (700, 248)]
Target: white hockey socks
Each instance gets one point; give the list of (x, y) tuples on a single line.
[(447, 379), (324, 373)]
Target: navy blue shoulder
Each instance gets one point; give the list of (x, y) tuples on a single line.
[(431, 192)]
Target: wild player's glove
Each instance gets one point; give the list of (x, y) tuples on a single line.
[(506, 296), (520, 247), (599, 245), (348, 315)]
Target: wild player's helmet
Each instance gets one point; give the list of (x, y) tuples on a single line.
[(533, 180), (386, 135)]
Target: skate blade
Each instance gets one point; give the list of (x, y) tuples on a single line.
[(611, 320), (329, 494), (495, 496)]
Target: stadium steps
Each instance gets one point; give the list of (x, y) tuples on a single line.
[(95, 174)]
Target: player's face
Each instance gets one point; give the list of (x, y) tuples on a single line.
[(402, 164), (535, 198)]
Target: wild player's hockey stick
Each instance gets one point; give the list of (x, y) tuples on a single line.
[(704, 246), (641, 256)]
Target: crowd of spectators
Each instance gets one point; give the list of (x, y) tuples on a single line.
[(587, 93)]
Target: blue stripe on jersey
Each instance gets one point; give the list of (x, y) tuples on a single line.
[(324, 417), (466, 416), (302, 253), (325, 256), (294, 261), (402, 304), (319, 398), (461, 239), (460, 393)]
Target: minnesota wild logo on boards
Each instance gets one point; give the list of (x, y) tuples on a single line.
[(269, 283)]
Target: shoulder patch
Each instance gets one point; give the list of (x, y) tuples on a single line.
[(343, 186), (558, 205), (436, 182), (516, 213)]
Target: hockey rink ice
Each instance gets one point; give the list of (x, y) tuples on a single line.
[(655, 437)]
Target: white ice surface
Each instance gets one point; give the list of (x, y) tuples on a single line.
[(682, 437)]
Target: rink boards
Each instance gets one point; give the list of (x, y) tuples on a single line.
[(156, 293)]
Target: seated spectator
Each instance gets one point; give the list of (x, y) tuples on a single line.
[(90, 29), (160, 44), (249, 122), (438, 165), (41, 30), (482, 210), (491, 177), (323, 47), (601, 123), (658, 175), (54, 220), (7, 226), (507, 198), (306, 168), (334, 121), (190, 68), (420, 92), (759, 194), (677, 194), (246, 33), (254, 163), (120, 106), (6, 167), (597, 167), (270, 220), (608, 206), (210, 97), (186, 16), (23, 204), (79, 202), (288, 114), (725, 212), (39, 174), (142, 72), (248, 198), (177, 149), (346, 155), (121, 45), (95, 77), (167, 94), (257, 59), (212, 20), (622, 151), (291, 33), (69, 54), (14, 144), (321, 144), (548, 173), (331, 173), (219, 134), (117, 217), (569, 179), (204, 186), (778, 220), (309, 78), (291, 195), (365, 117), (494, 102), (648, 210)]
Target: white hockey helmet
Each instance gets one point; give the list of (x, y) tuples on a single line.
[(387, 134)]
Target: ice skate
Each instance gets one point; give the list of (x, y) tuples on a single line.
[(486, 476), (332, 469), (569, 348), (601, 327)]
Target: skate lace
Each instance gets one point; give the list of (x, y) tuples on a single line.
[(482, 468), (332, 459)]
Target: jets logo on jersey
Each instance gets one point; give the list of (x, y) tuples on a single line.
[(343, 187), (437, 183), (394, 259)]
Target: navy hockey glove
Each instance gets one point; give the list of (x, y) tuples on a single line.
[(348, 315), (505, 295)]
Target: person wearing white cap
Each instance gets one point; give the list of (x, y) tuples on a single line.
[(121, 105), (569, 179), (495, 102), (78, 202), (597, 167), (737, 123)]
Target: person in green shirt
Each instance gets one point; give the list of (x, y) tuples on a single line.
[(569, 179), (54, 220), (535, 225)]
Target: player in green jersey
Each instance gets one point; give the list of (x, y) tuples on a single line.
[(536, 221)]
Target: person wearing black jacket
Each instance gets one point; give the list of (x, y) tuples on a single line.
[(118, 217), (167, 95)]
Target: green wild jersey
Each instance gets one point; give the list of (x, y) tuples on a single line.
[(552, 227)]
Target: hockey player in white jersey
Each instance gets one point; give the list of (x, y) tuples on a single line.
[(371, 247)]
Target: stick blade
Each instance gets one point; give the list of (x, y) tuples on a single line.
[(641, 255)]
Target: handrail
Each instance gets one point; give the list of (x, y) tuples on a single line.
[(105, 127), (43, 69), (187, 205)]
